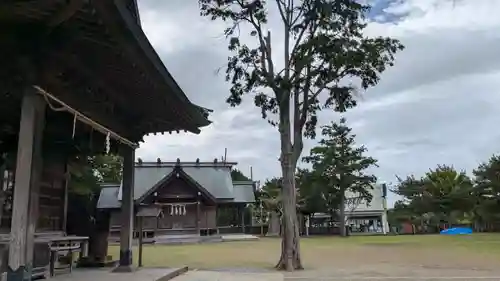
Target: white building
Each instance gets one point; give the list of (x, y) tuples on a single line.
[(366, 218)]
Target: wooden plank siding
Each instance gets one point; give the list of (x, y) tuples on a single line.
[(166, 222)]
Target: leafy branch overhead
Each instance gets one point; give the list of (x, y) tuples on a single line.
[(324, 47)]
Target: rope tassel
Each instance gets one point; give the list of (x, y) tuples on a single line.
[(74, 125)]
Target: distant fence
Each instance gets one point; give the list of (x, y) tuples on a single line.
[(257, 230), (248, 229), (407, 228), (335, 230), (324, 230)]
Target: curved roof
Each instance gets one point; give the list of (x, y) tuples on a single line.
[(214, 178), (116, 78)]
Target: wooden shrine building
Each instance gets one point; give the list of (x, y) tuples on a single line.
[(77, 77), (191, 194)]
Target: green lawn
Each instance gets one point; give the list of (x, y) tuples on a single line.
[(479, 250)]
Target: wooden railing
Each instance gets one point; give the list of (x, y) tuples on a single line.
[(50, 249)]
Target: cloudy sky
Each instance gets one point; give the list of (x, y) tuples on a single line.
[(438, 105)]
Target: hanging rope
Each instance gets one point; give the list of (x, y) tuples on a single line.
[(64, 107), (74, 127), (108, 143)]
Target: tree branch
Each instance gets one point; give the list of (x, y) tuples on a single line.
[(283, 11)]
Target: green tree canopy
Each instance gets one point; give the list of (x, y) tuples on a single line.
[(442, 195), (340, 169), (88, 172), (310, 197), (487, 191), (237, 175)]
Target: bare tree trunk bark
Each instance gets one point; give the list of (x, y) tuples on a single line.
[(290, 246)]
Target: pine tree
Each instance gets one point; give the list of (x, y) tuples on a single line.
[(340, 168)]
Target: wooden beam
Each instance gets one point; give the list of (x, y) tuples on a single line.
[(74, 62), (65, 13), (11, 9), (122, 28), (78, 66), (60, 89), (28, 173)]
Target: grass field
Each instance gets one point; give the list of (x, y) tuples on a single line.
[(479, 251)]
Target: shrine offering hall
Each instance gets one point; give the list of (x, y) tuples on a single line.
[(190, 196)]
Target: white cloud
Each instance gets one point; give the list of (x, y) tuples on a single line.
[(439, 104)]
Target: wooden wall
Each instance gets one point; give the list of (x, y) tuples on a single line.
[(52, 195), (51, 200), (207, 219)]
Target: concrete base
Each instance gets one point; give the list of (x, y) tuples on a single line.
[(185, 239), (90, 262), (20, 274), (140, 274), (174, 273), (124, 269), (239, 237)]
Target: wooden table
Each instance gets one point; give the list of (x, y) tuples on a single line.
[(53, 240), (56, 242)]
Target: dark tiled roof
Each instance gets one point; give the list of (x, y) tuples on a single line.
[(243, 192), (215, 178), (108, 199)]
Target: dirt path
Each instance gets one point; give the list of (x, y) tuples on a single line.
[(228, 276)]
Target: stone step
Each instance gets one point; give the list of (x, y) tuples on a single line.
[(186, 239)]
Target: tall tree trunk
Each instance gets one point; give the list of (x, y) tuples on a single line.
[(342, 215), (290, 247)]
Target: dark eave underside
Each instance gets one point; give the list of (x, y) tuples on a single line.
[(99, 57)]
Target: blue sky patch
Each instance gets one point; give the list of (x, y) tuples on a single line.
[(378, 13)]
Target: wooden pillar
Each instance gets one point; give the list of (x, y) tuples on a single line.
[(242, 209), (156, 226), (3, 186), (28, 173), (307, 222), (261, 219), (67, 178), (198, 214), (217, 220), (139, 222), (2, 171), (127, 210)]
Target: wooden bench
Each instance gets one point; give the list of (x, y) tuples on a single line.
[(62, 250), (48, 249)]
